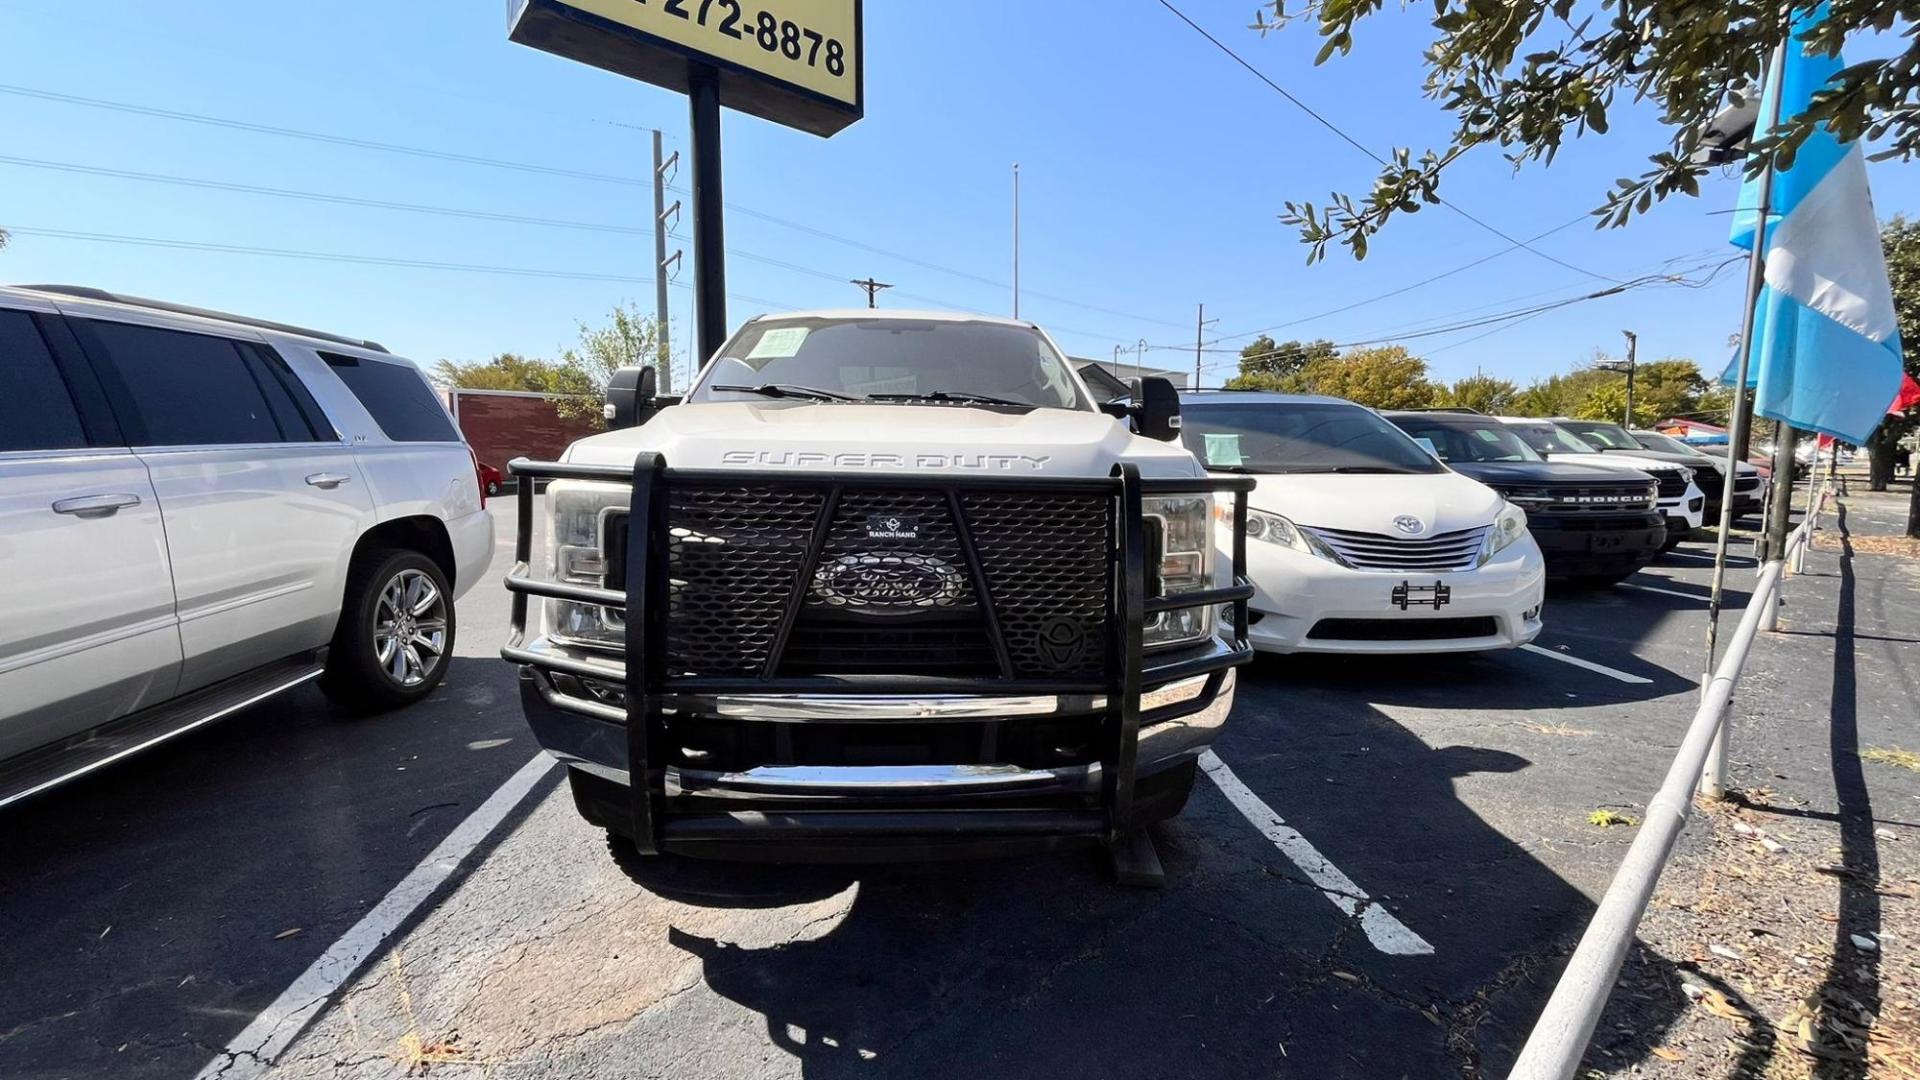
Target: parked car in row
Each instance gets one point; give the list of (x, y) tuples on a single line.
[(1594, 525), (1709, 475), (199, 511), (1358, 539), (1681, 500)]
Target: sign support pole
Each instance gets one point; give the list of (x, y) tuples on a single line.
[(709, 225)]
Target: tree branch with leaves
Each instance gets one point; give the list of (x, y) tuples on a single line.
[(1528, 75)]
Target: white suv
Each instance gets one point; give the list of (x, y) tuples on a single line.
[(198, 511)]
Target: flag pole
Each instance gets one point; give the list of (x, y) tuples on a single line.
[(1713, 778)]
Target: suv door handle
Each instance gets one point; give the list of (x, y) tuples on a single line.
[(328, 480), (95, 506)]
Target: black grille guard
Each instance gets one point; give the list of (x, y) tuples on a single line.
[(643, 603)]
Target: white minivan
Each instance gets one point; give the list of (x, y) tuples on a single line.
[(1359, 540), (198, 511)]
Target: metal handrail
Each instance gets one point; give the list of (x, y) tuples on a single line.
[(1559, 1038)]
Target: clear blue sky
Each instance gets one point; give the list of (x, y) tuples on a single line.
[(1153, 171)]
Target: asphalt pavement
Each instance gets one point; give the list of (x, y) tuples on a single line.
[(1379, 879)]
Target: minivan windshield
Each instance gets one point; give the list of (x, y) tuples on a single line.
[(1298, 437), (1549, 438), (1602, 435), (1467, 440), (946, 361)]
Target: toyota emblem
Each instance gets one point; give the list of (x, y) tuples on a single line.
[(1409, 524)]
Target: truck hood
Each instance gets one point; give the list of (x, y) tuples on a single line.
[(1443, 502), (874, 438), (1617, 460)]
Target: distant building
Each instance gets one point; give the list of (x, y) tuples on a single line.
[(1109, 380), (1692, 431)]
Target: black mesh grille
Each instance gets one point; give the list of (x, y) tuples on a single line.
[(735, 564), (1672, 484), (1046, 561), (734, 557)]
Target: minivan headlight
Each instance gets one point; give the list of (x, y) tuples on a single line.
[(1508, 525), (1280, 532), (1180, 559), (584, 518)]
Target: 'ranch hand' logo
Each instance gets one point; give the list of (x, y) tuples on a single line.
[(888, 584)]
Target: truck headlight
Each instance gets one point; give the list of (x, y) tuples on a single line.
[(1509, 525), (584, 519), (1179, 559)]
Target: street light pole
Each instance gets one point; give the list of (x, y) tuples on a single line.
[(1016, 239), (1633, 343)]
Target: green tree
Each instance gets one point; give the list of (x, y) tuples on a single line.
[(1560, 395), (1265, 363), (629, 339), (507, 371), (1528, 75), (1383, 377), (1662, 389), (1482, 393), (1900, 241)]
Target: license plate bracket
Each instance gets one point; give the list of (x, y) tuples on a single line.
[(1407, 595)]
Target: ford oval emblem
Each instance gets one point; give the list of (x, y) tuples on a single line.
[(1410, 525), (887, 583)]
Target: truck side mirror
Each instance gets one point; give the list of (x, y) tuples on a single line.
[(1156, 408), (631, 397)]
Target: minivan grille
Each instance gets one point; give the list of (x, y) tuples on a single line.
[(1374, 551)]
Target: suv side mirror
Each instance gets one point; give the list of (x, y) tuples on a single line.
[(1156, 408), (631, 397)]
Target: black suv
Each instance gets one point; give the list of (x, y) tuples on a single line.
[(1593, 524)]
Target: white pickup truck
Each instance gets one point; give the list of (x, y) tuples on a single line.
[(883, 584)]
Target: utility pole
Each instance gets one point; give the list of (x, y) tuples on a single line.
[(1016, 239), (1200, 324), (1140, 357), (709, 228), (660, 214), (872, 288)]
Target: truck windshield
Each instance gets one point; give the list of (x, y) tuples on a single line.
[(1299, 437), (1602, 436), (1653, 440), (1458, 441), (944, 361), (1548, 438)]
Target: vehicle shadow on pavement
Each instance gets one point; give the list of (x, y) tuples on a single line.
[(152, 909), (1242, 965)]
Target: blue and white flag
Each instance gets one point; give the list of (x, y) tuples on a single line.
[(1825, 354)]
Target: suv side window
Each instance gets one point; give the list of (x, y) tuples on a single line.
[(174, 388), (397, 397), (36, 407), (299, 417)]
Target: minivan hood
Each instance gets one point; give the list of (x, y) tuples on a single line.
[(868, 437), (1363, 502)]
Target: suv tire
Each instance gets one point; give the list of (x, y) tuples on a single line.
[(396, 631)]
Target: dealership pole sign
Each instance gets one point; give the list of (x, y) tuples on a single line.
[(800, 63)]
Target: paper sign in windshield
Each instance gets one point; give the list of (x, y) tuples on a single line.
[(1223, 450), (779, 343)]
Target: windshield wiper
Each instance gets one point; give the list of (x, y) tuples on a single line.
[(947, 395), (786, 390)]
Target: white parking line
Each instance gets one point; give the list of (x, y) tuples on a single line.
[(1662, 592), (255, 1049), (1388, 934), (1603, 669)]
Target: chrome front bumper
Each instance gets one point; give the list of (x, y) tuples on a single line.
[(598, 744)]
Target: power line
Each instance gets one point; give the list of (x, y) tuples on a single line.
[(529, 167), (1356, 144), (359, 260)]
